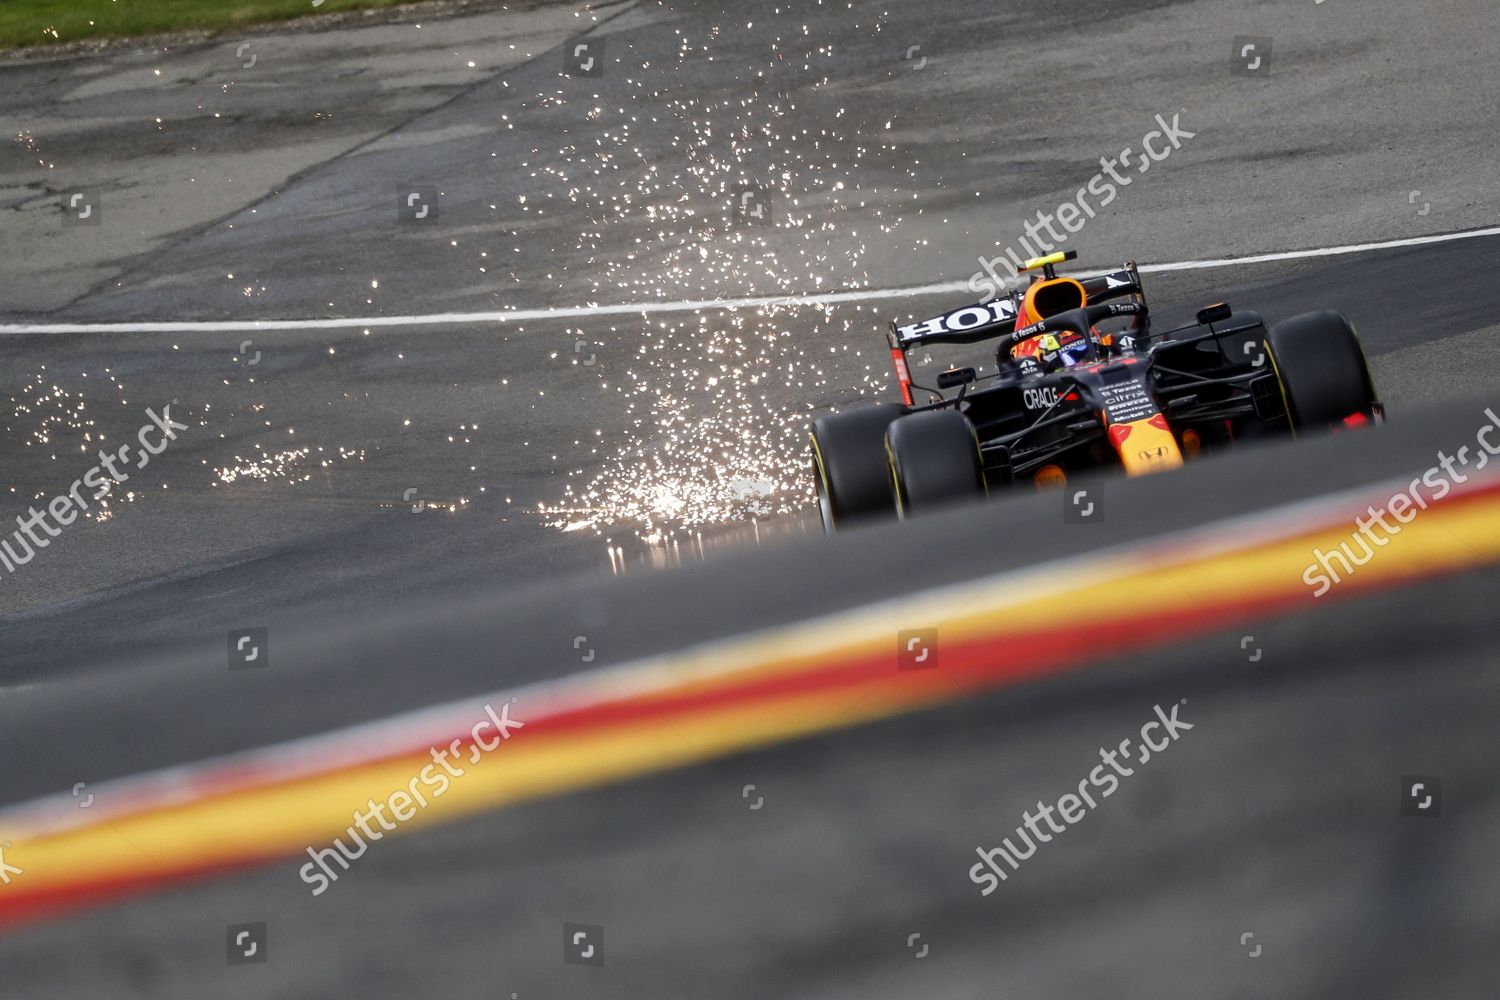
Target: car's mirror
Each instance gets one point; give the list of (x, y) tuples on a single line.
[(1216, 313), (955, 376)]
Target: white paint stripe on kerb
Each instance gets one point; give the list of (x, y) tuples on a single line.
[(690, 305)]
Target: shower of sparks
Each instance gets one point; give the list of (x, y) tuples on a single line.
[(707, 443), (268, 465), (420, 505), (26, 139), (652, 160), (290, 465), (59, 420)]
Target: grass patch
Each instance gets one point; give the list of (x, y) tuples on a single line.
[(46, 22)]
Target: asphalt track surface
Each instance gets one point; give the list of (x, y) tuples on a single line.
[(1277, 817)]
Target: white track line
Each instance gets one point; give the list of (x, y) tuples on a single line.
[(690, 305)]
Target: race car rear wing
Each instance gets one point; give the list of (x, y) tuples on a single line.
[(968, 325), (990, 320), (1126, 281), (987, 320)]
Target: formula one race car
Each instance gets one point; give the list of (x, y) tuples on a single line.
[(1068, 397)]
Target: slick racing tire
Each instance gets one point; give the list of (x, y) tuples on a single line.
[(1321, 367), (934, 461), (849, 465)]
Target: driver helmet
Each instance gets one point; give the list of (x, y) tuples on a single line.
[(1058, 351)]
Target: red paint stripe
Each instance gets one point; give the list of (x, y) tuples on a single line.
[(25, 908)]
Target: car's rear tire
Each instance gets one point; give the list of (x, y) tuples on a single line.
[(934, 461), (1322, 370), (849, 465)]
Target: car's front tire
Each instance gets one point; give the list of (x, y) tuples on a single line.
[(849, 465), (1322, 370), (934, 461)]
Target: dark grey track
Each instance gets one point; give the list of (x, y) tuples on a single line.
[(1277, 816)]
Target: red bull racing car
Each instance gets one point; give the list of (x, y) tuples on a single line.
[(1067, 396)]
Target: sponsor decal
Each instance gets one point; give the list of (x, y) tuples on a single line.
[(961, 320), (1040, 398), (902, 371), (1127, 402), (1027, 332)]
